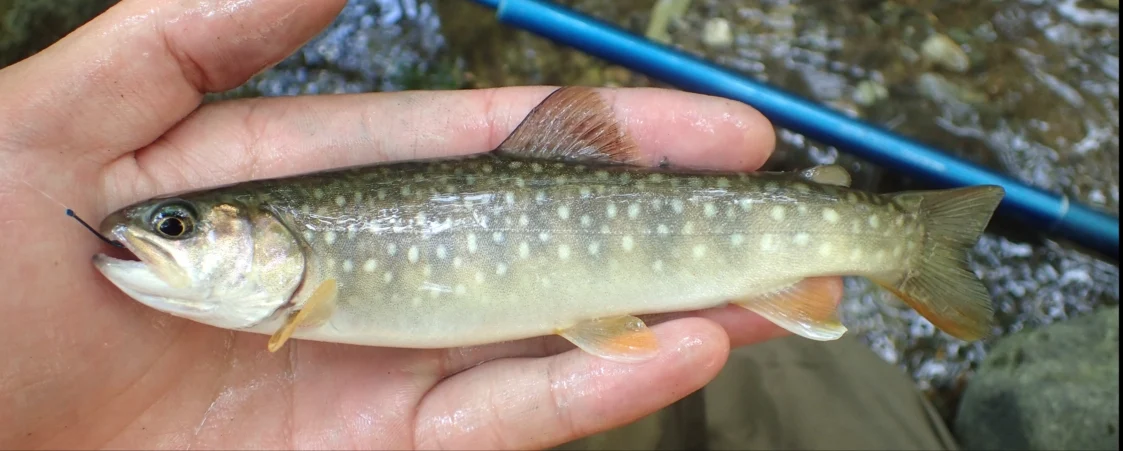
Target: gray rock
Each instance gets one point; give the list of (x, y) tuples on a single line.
[(945, 52), (1056, 387)]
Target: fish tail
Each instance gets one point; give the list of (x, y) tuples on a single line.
[(938, 283)]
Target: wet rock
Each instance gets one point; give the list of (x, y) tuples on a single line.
[(1056, 387), (717, 33), (945, 52), (28, 26), (869, 92)]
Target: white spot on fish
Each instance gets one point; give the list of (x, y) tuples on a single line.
[(414, 254), (501, 269), (897, 251), (611, 210), (329, 237), (563, 212), (604, 229), (536, 167), (406, 190), (457, 262), (348, 265), (633, 211), (830, 215), (392, 249), (318, 193), (479, 277), (662, 229), (766, 241), (655, 178), (657, 265), (524, 221), (801, 239), (388, 277), (627, 243), (520, 182), (825, 249), (442, 252), (381, 193), (778, 213), (802, 209), (699, 251), (308, 236), (509, 197), (540, 196), (688, 228), (563, 252), (722, 182), (855, 254), (586, 220), (676, 205), (879, 255), (370, 266), (497, 237), (594, 248), (473, 245), (340, 201), (544, 236), (585, 192), (524, 249), (709, 209), (461, 289), (874, 221), (358, 197), (427, 270), (421, 219), (737, 239)]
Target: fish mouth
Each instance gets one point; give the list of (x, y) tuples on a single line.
[(137, 279)]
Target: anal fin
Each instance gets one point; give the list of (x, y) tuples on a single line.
[(807, 308), (315, 311), (827, 174), (620, 339)]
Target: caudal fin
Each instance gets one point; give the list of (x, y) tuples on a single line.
[(938, 283)]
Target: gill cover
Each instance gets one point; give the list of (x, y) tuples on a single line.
[(218, 263)]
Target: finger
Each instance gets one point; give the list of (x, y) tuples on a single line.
[(124, 78), (743, 327), (258, 138), (539, 403)]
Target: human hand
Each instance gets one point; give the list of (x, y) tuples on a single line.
[(111, 115)]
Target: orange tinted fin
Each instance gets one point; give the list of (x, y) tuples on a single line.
[(807, 308), (619, 339), (317, 309), (938, 283), (572, 124)]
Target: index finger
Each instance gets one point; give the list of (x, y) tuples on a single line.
[(260, 138)]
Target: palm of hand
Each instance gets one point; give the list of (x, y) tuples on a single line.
[(86, 366)]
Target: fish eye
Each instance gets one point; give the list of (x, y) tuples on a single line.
[(173, 220)]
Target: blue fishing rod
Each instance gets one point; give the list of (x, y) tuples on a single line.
[(1051, 213)]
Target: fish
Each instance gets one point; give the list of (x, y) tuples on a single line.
[(559, 231)]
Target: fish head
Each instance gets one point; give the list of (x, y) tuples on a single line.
[(214, 261)]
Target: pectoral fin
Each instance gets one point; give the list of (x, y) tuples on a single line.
[(806, 308), (317, 309), (620, 339)]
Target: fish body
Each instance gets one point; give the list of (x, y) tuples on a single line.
[(541, 238)]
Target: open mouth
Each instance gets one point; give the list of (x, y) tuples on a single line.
[(140, 280)]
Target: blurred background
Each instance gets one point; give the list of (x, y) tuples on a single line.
[(1028, 87)]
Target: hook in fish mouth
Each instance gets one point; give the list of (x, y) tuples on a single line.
[(137, 278)]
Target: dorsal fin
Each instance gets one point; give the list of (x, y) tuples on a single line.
[(572, 124)]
